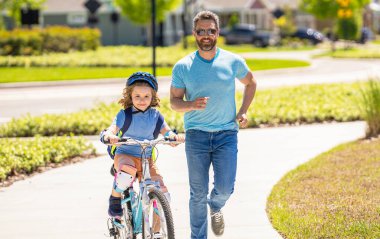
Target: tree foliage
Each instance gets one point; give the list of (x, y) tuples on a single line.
[(140, 11), (286, 23), (346, 14), (328, 9)]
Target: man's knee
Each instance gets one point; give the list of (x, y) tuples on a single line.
[(199, 196), (223, 192)]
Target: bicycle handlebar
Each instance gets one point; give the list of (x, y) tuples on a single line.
[(143, 143)]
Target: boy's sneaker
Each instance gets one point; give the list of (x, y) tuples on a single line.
[(114, 209), (217, 223), (157, 235)]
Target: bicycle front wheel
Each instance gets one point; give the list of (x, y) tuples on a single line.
[(160, 216)]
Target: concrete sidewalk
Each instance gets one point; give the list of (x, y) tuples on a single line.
[(71, 202)]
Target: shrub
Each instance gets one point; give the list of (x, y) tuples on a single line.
[(64, 39), (20, 42), (50, 39), (26, 155), (370, 106), (295, 105)]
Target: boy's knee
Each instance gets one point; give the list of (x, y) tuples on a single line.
[(124, 178)]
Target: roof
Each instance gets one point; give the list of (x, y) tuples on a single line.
[(273, 4), (238, 5), (220, 5), (65, 6)]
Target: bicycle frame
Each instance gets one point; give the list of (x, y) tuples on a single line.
[(139, 201)]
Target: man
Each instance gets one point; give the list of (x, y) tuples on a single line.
[(206, 78)]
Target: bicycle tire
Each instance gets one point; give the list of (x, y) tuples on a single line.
[(166, 222)]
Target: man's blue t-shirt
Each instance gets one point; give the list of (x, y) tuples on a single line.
[(141, 128), (210, 78)]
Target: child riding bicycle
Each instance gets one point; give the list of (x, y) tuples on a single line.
[(144, 122)]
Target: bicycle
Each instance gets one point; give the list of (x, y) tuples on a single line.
[(146, 211)]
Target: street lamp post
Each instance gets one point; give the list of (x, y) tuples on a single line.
[(154, 36)]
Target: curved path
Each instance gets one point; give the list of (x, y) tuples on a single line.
[(71, 202)]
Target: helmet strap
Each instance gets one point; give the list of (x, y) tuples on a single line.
[(138, 110)]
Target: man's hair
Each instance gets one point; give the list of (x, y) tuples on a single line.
[(206, 15)]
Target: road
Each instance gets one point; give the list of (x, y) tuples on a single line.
[(63, 97)]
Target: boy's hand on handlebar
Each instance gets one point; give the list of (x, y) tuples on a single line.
[(111, 138), (177, 138)]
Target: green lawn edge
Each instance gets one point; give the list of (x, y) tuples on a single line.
[(43, 74), (334, 195)]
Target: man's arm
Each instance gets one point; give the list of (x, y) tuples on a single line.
[(248, 95), (179, 104)]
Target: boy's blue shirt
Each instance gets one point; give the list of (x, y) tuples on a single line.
[(210, 78), (141, 128)]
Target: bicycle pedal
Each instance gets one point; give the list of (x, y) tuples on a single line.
[(112, 232), (118, 223), (111, 229)]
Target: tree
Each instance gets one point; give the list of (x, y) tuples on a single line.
[(139, 11), (13, 8), (234, 19), (285, 23), (346, 14)]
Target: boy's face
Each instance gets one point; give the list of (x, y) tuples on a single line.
[(142, 97)]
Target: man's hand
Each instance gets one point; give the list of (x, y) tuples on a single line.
[(200, 103), (242, 119)]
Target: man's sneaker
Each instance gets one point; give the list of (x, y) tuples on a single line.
[(114, 209), (217, 223)]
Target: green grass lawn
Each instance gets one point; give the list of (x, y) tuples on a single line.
[(250, 48), (370, 51), (336, 195), (21, 74), (31, 74)]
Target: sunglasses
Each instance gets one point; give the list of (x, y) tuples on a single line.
[(204, 32)]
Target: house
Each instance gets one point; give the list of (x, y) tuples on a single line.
[(257, 12), (73, 13)]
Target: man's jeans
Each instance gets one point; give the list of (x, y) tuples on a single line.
[(202, 150)]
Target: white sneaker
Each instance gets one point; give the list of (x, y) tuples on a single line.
[(157, 235)]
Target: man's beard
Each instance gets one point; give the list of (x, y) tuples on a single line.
[(206, 46)]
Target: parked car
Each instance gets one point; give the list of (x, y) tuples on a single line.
[(309, 34), (366, 35), (246, 34)]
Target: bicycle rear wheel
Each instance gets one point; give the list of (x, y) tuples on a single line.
[(160, 216)]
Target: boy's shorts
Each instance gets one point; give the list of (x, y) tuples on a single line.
[(155, 175)]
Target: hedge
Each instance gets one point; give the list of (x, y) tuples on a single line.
[(24, 156), (294, 105), (50, 39)]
